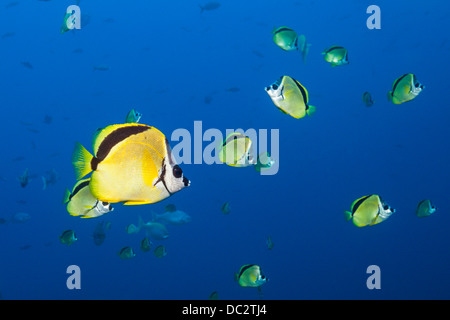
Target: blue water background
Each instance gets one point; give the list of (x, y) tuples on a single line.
[(167, 60)]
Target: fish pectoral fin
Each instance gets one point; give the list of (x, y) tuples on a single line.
[(131, 203)]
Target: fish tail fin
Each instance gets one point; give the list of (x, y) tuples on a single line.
[(311, 110), (389, 96), (66, 197), (347, 215), (81, 161)]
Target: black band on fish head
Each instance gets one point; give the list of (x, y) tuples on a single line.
[(94, 163)]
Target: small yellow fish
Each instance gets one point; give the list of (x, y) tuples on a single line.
[(405, 89), (336, 56), (250, 275), (263, 162), (369, 210), (68, 237), (81, 202), (269, 243), (160, 251), (290, 97), (285, 38), (133, 116), (226, 208), (425, 208), (236, 150), (146, 244), (367, 99), (126, 253), (214, 296)]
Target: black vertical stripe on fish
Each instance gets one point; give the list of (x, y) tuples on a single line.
[(304, 94), (359, 202), (162, 176), (67, 232), (245, 268), (377, 215), (233, 137), (397, 81), (334, 48), (78, 188), (283, 29), (113, 139)]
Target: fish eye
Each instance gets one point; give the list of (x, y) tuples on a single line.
[(104, 203), (177, 172), (274, 87), (386, 207)]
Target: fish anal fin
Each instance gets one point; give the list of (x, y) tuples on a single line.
[(132, 203)]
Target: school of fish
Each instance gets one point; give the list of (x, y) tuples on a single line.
[(131, 163)]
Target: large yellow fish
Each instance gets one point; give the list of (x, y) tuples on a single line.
[(405, 89), (132, 162), (290, 97)]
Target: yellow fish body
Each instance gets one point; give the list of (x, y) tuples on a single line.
[(369, 210), (250, 275), (132, 162), (405, 89), (81, 202), (425, 208), (285, 38), (236, 150), (336, 56), (290, 97)]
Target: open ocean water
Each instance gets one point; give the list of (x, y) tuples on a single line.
[(177, 64)]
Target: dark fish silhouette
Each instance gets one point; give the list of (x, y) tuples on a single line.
[(27, 65), (209, 6), (99, 234)]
